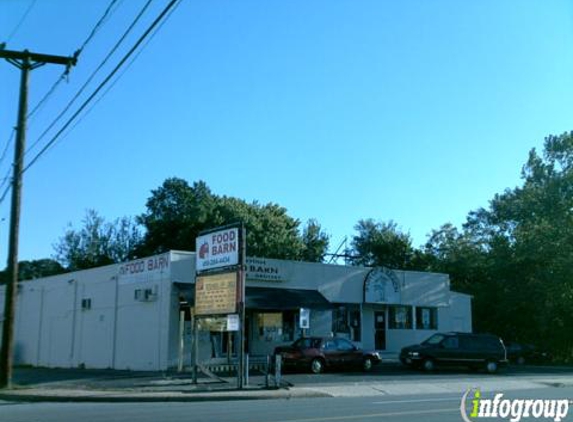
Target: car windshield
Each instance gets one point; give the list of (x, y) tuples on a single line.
[(435, 339)]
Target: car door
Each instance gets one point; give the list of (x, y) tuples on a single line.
[(473, 350), (330, 352), (349, 355), (449, 351)]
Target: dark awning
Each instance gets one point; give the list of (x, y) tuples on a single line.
[(269, 298), (284, 299)]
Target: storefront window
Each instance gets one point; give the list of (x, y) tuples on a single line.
[(271, 326), (426, 318), (346, 322), (400, 317), (289, 328), (340, 320), (355, 325)]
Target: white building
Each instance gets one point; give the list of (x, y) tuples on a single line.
[(131, 315)]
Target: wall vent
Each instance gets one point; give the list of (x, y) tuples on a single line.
[(86, 304)]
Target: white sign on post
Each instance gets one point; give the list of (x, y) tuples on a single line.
[(304, 318), (217, 249), (233, 323)]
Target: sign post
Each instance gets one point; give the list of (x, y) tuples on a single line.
[(220, 284), (195, 348), (241, 303)]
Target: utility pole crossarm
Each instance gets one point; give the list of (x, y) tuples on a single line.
[(36, 57)]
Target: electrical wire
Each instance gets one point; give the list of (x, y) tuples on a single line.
[(91, 77), (5, 151), (22, 19), (106, 15), (5, 179), (124, 71), (114, 82), (7, 188), (98, 25), (102, 84)]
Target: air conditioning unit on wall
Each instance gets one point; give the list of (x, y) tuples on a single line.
[(146, 295)]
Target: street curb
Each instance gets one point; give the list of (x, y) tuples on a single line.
[(155, 398)]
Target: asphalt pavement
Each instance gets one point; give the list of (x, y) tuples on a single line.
[(413, 407)]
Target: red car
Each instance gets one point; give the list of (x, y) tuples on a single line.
[(320, 353)]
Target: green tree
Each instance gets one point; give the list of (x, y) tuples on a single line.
[(315, 242), (97, 243), (29, 270), (177, 212), (515, 256), (381, 244), (536, 221)]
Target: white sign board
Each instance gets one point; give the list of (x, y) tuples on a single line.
[(233, 322), (216, 294), (304, 318), (217, 249)]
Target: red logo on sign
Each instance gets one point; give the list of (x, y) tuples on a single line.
[(204, 250)]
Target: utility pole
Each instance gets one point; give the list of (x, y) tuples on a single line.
[(25, 61)]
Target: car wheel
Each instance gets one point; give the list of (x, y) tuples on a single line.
[(491, 366), (520, 360), (367, 364), (317, 366), (428, 365)]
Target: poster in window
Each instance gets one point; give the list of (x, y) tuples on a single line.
[(425, 317)]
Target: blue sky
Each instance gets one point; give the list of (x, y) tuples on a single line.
[(412, 111)]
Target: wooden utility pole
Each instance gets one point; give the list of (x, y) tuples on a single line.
[(25, 61)]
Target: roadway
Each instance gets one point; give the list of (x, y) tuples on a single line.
[(428, 408)]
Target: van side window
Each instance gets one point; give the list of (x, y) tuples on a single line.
[(469, 343), (451, 343)]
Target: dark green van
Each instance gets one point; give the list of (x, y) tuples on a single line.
[(475, 351)]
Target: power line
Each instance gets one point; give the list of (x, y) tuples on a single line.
[(98, 25), (48, 94), (7, 187), (5, 179), (110, 87), (8, 143), (22, 19), (124, 71), (103, 83), (106, 15), (83, 87)]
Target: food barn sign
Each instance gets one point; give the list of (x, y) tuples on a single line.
[(152, 269), (218, 249)]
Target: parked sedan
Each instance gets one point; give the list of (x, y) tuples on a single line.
[(320, 353)]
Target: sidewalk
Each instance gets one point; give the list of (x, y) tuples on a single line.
[(77, 385)]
